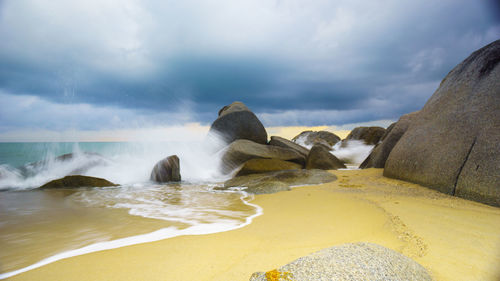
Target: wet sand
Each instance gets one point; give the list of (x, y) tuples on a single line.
[(453, 238)]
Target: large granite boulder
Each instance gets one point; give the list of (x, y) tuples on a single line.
[(320, 158), (166, 170), (280, 180), (352, 261), (240, 151), (453, 144), (381, 151), (236, 122), (279, 141), (310, 138), (370, 135), (77, 181), (262, 165)]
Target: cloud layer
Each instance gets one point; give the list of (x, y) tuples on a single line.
[(98, 64)]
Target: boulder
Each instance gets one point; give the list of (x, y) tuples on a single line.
[(370, 135), (288, 177), (240, 151), (77, 181), (236, 122), (166, 170), (453, 144), (262, 165), (320, 158), (381, 151), (352, 261), (309, 138), (279, 141)]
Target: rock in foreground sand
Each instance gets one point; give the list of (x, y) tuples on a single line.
[(353, 261)]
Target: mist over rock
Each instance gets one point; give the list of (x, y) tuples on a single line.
[(370, 135), (166, 170), (320, 158), (453, 144), (236, 122), (381, 151), (84, 161), (77, 181), (310, 138)]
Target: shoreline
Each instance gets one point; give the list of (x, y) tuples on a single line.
[(361, 206)]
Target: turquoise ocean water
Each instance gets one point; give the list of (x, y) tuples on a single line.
[(38, 227)]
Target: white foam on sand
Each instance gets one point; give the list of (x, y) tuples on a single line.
[(161, 234)]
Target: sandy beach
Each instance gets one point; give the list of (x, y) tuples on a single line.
[(454, 239)]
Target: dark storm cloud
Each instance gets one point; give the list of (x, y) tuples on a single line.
[(335, 62)]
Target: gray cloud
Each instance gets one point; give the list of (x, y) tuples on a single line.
[(341, 61)]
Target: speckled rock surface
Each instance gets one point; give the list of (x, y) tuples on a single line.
[(353, 261), (453, 145)]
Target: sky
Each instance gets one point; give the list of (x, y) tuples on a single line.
[(108, 65)]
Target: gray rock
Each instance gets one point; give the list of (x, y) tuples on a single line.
[(279, 141), (77, 181), (370, 135), (313, 137), (235, 122), (166, 170), (381, 151), (320, 158), (260, 165), (287, 177), (353, 261), (267, 187), (453, 145), (240, 151)]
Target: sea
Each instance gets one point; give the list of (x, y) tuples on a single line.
[(38, 227), (41, 226)]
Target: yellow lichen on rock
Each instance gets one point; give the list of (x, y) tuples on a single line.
[(275, 275)]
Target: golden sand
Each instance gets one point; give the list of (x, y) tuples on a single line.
[(453, 238)]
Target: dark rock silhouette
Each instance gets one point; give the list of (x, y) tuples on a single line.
[(77, 181), (236, 122), (166, 170)]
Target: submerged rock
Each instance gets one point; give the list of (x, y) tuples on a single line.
[(288, 177), (370, 135), (236, 122), (453, 144), (310, 138), (240, 151), (166, 170), (258, 165), (352, 261), (77, 181), (320, 158)]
